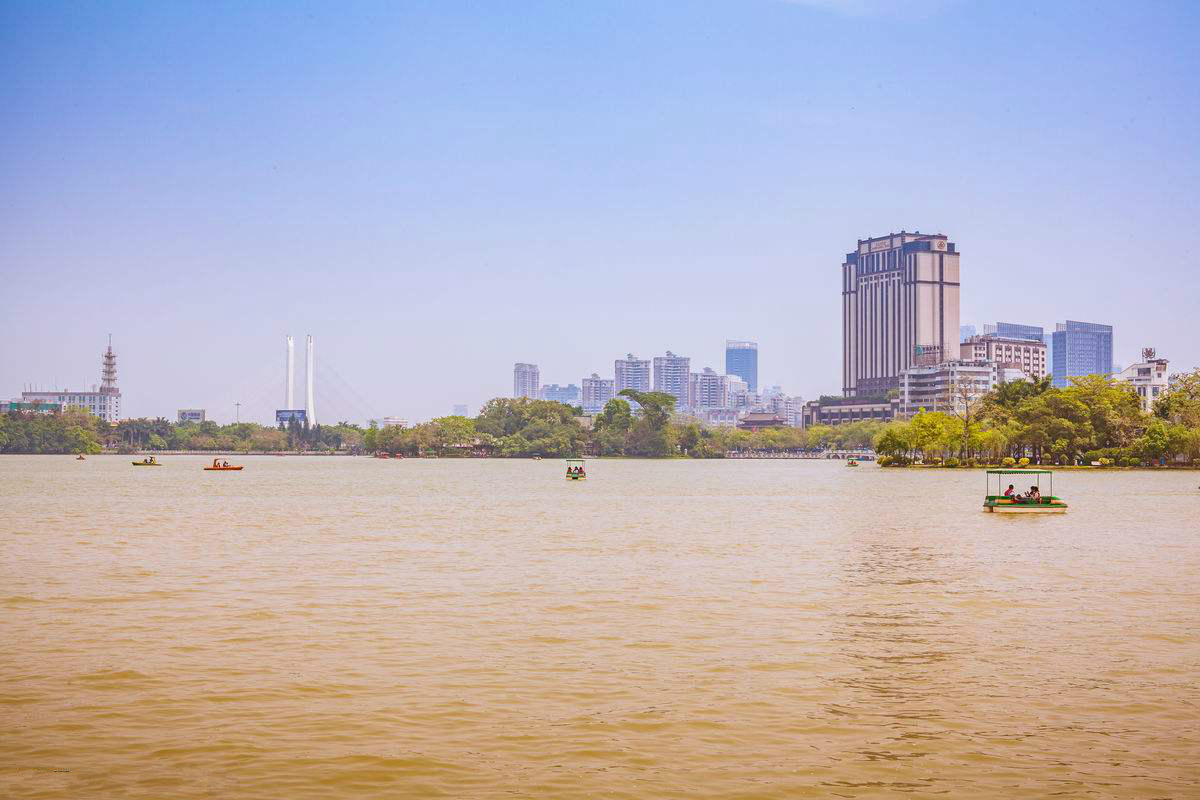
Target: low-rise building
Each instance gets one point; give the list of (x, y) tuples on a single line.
[(757, 421), (850, 409), (1148, 376), (105, 405), (190, 415), (722, 417), (34, 407)]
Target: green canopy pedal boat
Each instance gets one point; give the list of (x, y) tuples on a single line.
[(575, 470), (1032, 502)]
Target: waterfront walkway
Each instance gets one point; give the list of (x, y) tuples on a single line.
[(860, 455)]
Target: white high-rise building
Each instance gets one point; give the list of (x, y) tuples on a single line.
[(597, 392), (899, 308), (632, 372), (526, 380), (671, 375), (707, 389)]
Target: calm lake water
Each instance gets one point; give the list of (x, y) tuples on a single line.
[(358, 628)]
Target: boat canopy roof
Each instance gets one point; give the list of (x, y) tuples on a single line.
[(574, 460), (1019, 472)]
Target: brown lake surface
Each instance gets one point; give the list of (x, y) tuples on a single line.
[(360, 628)]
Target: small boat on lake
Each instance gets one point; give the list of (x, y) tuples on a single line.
[(575, 470), (222, 466), (852, 463), (80, 457), (152, 461), (1032, 502)]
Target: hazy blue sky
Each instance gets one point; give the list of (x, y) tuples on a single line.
[(438, 189)]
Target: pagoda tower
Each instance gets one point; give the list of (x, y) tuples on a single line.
[(108, 371)]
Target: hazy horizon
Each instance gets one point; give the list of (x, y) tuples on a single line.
[(437, 191)]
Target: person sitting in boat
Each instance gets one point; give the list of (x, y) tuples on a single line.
[(1035, 495), (1010, 491), (215, 464), (224, 463)]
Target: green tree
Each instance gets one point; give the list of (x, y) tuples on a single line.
[(649, 434), (616, 416), (1181, 403)]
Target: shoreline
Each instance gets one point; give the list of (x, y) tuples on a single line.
[(293, 453)]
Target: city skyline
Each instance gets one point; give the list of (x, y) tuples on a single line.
[(412, 196)]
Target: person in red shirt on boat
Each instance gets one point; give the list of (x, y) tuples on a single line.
[(1010, 491)]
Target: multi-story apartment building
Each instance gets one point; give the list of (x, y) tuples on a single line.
[(900, 307), (597, 392), (741, 359), (526, 380), (1149, 378), (1081, 348), (568, 394), (671, 375), (1028, 355), (707, 389), (632, 372)]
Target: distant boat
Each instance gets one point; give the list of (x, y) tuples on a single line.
[(219, 466), (152, 461), (852, 463), (80, 457)]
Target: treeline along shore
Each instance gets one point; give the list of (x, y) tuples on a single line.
[(1094, 421)]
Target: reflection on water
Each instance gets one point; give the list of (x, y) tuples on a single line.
[(362, 628)]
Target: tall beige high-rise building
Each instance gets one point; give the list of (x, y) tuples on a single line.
[(671, 375), (899, 308), (632, 372), (526, 380)]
